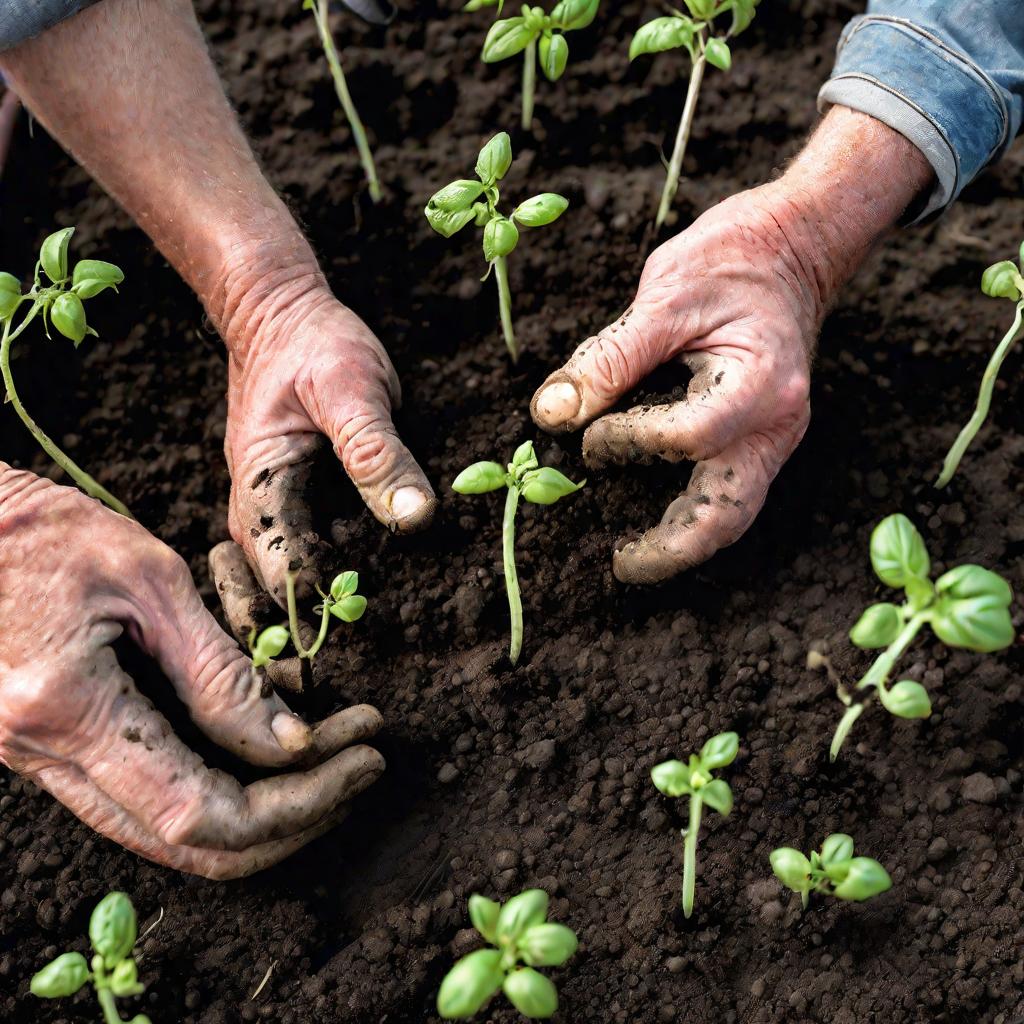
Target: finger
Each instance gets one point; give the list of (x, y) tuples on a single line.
[(602, 370), (724, 495), (9, 106), (89, 804)]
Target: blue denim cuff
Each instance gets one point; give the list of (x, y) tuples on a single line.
[(931, 93), (23, 19)]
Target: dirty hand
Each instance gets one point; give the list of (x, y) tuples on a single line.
[(73, 577), (739, 298)]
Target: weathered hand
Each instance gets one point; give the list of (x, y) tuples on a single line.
[(73, 577)]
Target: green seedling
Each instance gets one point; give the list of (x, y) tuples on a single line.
[(113, 972), (524, 477), (61, 302), (694, 33), (694, 779), (523, 939), (835, 871), (451, 209), (1002, 280), (966, 607), (322, 18), (535, 32), (341, 602)]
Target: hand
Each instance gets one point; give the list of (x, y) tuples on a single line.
[(73, 577)]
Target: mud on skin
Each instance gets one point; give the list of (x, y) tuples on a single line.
[(497, 780)]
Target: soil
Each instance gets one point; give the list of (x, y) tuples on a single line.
[(500, 779)]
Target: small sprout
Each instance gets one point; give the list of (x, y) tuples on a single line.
[(694, 779), (534, 31), (524, 940), (322, 17), (476, 200), (525, 477), (1002, 280), (60, 303), (834, 871), (113, 972), (691, 32), (966, 607)]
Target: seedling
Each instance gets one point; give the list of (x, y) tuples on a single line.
[(61, 303), (1001, 281), (451, 209), (966, 607), (113, 972), (525, 477), (532, 31), (695, 34), (694, 779), (835, 871), (341, 602), (521, 935), (321, 16)]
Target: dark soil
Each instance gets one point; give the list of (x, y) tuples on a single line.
[(502, 779)]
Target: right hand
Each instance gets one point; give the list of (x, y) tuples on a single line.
[(73, 577)]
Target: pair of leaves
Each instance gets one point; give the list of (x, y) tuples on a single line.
[(1003, 280), (542, 486), (476, 979), (678, 778), (849, 877)]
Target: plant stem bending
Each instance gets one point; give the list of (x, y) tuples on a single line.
[(682, 137)]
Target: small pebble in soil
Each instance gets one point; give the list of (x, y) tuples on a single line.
[(979, 788)]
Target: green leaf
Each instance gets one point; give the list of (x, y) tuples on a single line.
[(837, 847), (547, 945), (67, 314), (447, 222), (524, 457), (976, 623), (877, 627), (1000, 281), (459, 195), (344, 584), (501, 236), (661, 34), (920, 592), (521, 912), (61, 977), (94, 276), (53, 254), (477, 5), (540, 210), (484, 915), (10, 295), (270, 643), (532, 994), (717, 795), (505, 39), (720, 750), (480, 478), (906, 699), (791, 868), (470, 984), (113, 928), (671, 778), (124, 981), (717, 53), (545, 486), (554, 56), (495, 159), (349, 609), (742, 15), (898, 551), (575, 14), (702, 10), (865, 878), (967, 581)]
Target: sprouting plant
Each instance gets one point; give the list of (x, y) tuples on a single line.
[(966, 607), (1002, 280), (532, 31), (521, 934), (524, 476), (694, 779), (321, 14), (113, 972), (694, 32), (835, 871), (341, 602), (61, 303), (465, 200)]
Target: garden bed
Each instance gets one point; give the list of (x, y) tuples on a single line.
[(502, 779)]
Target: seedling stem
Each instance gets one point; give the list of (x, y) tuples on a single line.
[(690, 854), (675, 165), (529, 83), (505, 307), (508, 557)]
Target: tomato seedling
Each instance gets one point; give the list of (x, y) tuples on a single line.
[(1002, 280), (521, 935), (694, 33), (535, 31), (966, 607), (62, 304), (341, 602), (694, 779), (834, 871), (465, 200), (321, 15), (113, 929), (524, 477)]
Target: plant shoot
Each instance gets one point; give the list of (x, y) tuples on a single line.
[(834, 871)]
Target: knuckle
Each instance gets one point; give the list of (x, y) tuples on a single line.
[(365, 446)]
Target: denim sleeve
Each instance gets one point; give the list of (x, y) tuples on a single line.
[(947, 74), (23, 19)]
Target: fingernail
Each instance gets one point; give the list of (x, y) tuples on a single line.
[(558, 403), (407, 501), (291, 732)]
